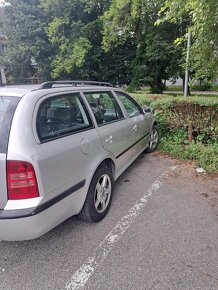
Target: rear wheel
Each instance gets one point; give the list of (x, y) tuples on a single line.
[(154, 140), (99, 196)]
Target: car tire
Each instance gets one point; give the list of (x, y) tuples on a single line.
[(99, 196), (154, 140)]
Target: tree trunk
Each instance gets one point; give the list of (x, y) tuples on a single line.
[(157, 86), (190, 132)]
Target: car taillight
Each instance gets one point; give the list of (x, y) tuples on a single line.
[(21, 180)]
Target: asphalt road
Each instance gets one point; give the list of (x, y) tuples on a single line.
[(161, 233)]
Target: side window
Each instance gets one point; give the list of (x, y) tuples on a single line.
[(104, 107), (61, 115), (129, 104)]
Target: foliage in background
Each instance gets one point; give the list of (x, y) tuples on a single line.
[(175, 114), (71, 28), (204, 28), (24, 28), (75, 29), (157, 58), (65, 38), (205, 86)]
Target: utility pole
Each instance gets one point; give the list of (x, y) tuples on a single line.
[(187, 65)]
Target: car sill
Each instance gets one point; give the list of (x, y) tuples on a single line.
[(118, 156)]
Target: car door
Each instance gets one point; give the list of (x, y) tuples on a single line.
[(113, 127), (68, 142), (140, 122)]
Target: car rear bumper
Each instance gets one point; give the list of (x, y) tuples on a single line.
[(31, 223), (18, 229)]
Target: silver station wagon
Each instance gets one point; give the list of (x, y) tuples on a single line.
[(62, 146)]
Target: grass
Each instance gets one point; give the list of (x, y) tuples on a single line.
[(205, 156)]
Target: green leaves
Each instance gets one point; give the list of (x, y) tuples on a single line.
[(70, 55), (156, 57), (122, 41), (75, 30), (26, 38), (203, 17)]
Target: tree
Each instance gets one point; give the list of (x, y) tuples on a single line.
[(26, 40), (156, 57), (203, 17), (75, 28), (63, 39)]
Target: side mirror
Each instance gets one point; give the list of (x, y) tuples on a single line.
[(147, 109)]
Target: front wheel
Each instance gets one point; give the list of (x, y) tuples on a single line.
[(99, 196), (152, 146)]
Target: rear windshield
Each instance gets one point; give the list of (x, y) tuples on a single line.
[(7, 108)]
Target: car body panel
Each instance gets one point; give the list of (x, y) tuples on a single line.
[(116, 136), (3, 182)]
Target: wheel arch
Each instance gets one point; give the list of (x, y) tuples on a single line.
[(109, 163), (154, 123)]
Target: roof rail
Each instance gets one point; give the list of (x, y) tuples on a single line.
[(49, 85)]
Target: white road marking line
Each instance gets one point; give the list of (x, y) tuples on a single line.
[(81, 276)]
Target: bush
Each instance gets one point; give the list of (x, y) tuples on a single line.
[(206, 86), (188, 127), (197, 116)]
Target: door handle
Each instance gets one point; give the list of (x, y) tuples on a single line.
[(135, 128), (109, 139)]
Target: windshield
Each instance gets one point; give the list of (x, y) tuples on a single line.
[(7, 108)]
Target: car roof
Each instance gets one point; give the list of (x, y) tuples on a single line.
[(16, 90), (21, 90)]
